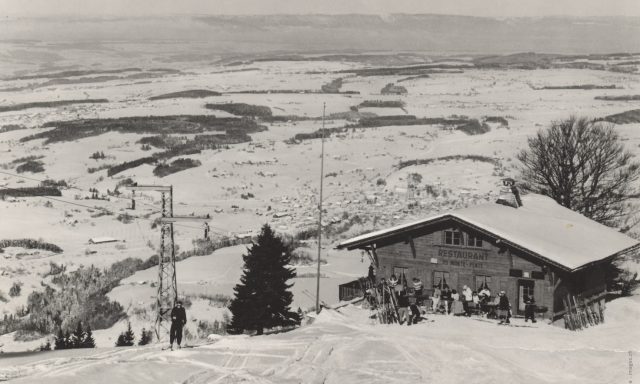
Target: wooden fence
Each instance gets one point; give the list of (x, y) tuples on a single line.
[(351, 290)]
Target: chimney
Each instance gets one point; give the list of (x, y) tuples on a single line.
[(516, 194), (509, 194)]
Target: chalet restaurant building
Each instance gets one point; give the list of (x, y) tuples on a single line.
[(533, 246)]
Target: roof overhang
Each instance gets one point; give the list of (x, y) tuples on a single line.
[(608, 258), (371, 239)]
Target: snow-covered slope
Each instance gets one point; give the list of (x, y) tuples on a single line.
[(346, 347)]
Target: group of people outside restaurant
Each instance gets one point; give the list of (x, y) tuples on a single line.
[(410, 296)]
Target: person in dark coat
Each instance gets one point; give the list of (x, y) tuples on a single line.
[(417, 289), (529, 308), (403, 308), (372, 274), (178, 320), (413, 307), (503, 308)]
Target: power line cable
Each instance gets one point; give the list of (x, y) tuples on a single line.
[(72, 187), (218, 231), (213, 229)]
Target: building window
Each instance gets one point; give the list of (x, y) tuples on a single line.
[(481, 281), (515, 272), (401, 274), (474, 241), (440, 278), (453, 237), (537, 275)]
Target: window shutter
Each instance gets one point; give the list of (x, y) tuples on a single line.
[(537, 275), (515, 272)]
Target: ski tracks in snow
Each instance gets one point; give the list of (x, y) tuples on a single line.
[(57, 366), (336, 351)]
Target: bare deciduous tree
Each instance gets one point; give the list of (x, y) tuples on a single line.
[(584, 166)]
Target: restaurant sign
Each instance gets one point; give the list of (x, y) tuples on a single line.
[(462, 257)]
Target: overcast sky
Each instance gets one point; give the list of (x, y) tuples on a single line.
[(491, 8)]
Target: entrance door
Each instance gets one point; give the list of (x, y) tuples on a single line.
[(525, 288), (441, 278)]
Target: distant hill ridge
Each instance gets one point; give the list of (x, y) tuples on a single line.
[(307, 33)]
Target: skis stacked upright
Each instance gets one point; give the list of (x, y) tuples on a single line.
[(571, 320), (377, 301), (381, 307), (395, 316), (593, 316), (579, 314), (601, 311), (386, 305)]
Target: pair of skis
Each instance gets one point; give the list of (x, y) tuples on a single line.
[(505, 324)]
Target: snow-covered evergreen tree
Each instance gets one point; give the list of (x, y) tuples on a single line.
[(126, 338), (67, 340), (58, 342), (262, 298), (145, 337), (46, 346), (77, 337), (89, 341)]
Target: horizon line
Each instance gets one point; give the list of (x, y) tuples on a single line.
[(154, 16)]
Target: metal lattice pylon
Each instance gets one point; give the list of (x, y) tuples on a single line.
[(167, 293)]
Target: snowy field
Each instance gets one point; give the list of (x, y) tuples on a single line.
[(344, 346), (362, 181)]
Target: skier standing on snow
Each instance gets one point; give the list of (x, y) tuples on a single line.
[(529, 308), (503, 308), (178, 320)]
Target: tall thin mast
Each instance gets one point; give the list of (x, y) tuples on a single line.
[(320, 214)]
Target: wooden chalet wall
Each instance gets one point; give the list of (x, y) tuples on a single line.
[(424, 253), (587, 286)]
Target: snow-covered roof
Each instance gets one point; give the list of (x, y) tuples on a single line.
[(104, 239), (541, 227)]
